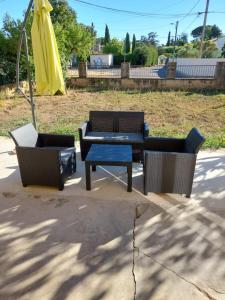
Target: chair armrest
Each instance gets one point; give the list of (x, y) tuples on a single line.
[(83, 129), (38, 161), (146, 129), (55, 140), (164, 144)]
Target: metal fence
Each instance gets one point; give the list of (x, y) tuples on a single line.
[(195, 71), (158, 71), (103, 71)]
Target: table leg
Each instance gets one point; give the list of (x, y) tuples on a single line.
[(88, 176), (129, 178), (93, 168)]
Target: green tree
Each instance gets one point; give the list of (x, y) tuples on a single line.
[(150, 39), (9, 36), (144, 55), (182, 40), (107, 35), (81, 41), (133, 43), (192, 50), (127, 44), (210, 50), (72, 38), (223, 51), (113, 47), (211, 32), (188, 50), (216, 32), (62, 13), (168, 39)]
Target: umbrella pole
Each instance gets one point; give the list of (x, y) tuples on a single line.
[(23, 37), (29, 80)]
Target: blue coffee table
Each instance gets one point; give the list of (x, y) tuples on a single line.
[(109, 155)]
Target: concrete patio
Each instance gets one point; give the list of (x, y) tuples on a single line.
[(110, 244)]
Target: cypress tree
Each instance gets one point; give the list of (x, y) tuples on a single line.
[(107, 35), (127, 43), (133, 43), (168, 40)]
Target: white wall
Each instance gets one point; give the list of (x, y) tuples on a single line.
[(220, 42), (101, 60), (197, 61)]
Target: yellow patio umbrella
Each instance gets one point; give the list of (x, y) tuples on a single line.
[(48, 71)]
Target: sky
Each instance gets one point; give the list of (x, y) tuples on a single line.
[(119, 23)]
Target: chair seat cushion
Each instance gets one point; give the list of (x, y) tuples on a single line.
[(114, 137), (67, 157)]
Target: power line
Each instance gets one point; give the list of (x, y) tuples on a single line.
[(141, 14), (197, 2), (169, 6), (192, 22), (144, 14)]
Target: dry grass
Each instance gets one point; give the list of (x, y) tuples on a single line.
[(168, 113)]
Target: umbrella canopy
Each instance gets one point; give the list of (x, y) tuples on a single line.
[(48, 71)]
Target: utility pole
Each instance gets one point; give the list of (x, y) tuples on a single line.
[(203, 29), (175, 39)]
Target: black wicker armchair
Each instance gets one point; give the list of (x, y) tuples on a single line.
[(169, 163), (44, 159)]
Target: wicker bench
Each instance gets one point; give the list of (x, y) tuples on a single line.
[(114, 127)]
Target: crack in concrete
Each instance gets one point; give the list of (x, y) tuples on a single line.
[(134, 250), (137, 214), (139, 211), (216, 291), (133, 267), (210, 297)]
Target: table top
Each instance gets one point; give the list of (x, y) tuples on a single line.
[(109, 153)]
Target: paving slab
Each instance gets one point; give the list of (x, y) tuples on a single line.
[(110, 244)]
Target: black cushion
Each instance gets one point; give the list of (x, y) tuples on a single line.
[(67, 157)]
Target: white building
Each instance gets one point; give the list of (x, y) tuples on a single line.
[(101, 60), (220, 42)]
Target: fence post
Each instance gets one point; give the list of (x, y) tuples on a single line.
[(220, 74), (171, 70), (125, 70), (82, 69)]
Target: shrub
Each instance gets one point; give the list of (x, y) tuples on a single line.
[(144, 55)]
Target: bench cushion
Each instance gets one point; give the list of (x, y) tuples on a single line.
[(114, 137)]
